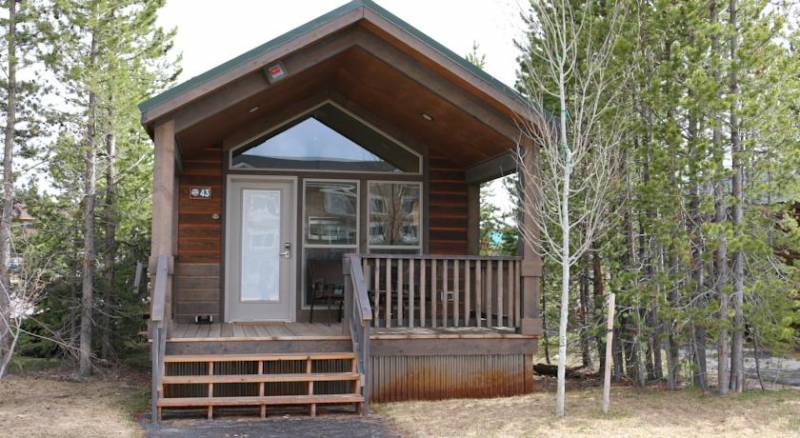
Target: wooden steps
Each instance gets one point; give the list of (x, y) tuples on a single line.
[(269, 400), (260, 380), (256, 357)]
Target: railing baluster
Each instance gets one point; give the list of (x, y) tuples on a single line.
[(434, 293), (388, 312), (467, 292), (456, 290), (376, 294), (489, 293), (411, 284), (478, 293), (399, 292), (422, 286), (445, 290), (499, 293), (510, 279), (517, 294)]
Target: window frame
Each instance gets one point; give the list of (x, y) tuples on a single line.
[(304, 305), (278, 127), (358, 212), (420, 243)]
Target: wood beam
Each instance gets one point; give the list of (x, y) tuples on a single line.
[(531, 323), (493, 168), (164, 221)]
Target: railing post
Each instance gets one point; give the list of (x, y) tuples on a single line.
[(366, 368), (159, 318), (348, 293), (156, 371)]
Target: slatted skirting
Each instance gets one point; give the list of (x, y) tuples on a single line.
[(397, 378), (260, 381)]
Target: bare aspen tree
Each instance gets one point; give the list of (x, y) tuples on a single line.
[(567, 61), (23, 294)]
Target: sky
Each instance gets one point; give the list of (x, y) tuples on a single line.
[(209, 35)]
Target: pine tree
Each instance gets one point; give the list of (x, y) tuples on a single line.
[(112, 55)]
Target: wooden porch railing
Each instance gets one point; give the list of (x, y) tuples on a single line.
[(359, 316), (159, 324), (443, 291)]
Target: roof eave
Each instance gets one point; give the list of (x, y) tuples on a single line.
[(331, 22)]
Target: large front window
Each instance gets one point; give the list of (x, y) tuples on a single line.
[(327, 139)]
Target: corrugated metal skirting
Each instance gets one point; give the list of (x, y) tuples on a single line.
[(397, 378)]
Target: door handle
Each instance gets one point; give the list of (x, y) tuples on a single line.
[(286, 251)]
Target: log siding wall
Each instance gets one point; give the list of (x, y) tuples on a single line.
[(447, 208), (199, 256)]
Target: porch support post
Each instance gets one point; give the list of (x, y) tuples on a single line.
[(164, 206), (531, 262), (474, 218)]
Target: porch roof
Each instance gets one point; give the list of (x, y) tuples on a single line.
[(365, 57)]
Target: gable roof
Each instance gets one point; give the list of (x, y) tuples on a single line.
[(346, 15)]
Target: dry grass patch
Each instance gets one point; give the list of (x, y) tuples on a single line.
[(634, 413), (33, 406)]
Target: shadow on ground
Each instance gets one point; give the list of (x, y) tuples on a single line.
[(332, 426)]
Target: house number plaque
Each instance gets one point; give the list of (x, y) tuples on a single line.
[(200, 193)]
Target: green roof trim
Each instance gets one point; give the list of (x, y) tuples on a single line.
[(221, 69)]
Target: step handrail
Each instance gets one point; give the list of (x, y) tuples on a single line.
[(159, 332), (359, 315)]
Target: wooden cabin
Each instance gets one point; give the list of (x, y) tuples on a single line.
[(315, 236)]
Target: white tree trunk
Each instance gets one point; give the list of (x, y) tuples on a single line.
[(6, 342), (565, 256), (609, 342)]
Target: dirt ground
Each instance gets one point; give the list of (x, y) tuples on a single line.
[(634, 413), (52, 404), (58, 406)]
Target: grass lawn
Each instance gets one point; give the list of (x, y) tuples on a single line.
[(634, 413), (50, 403)]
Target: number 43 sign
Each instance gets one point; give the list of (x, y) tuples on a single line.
[(200, 193)]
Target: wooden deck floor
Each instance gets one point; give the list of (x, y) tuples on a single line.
[(322, 331)]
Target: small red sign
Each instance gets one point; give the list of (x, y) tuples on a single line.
[(276, 72)]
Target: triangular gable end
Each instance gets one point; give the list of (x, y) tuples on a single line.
[(206, 83)]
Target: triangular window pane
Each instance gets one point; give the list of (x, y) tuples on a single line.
[(313, 143)]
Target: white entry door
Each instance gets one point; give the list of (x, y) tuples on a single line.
[(260, 250)]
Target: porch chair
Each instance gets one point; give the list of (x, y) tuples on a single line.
[(329, 293)]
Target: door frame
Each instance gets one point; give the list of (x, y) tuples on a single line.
[(229, 224)]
